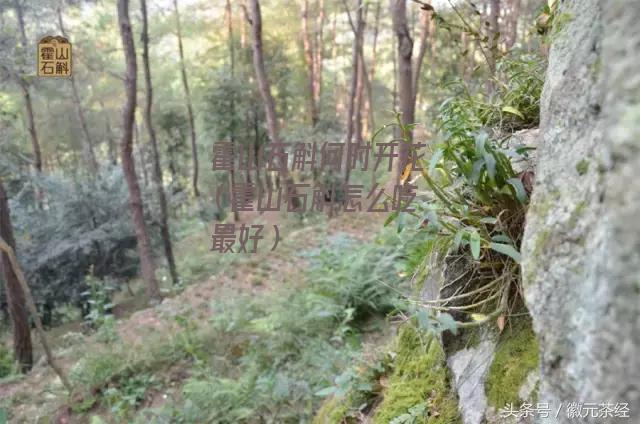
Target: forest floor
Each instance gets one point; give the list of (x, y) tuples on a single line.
[(210, 275)]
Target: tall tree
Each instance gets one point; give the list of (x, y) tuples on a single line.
[(126, 149), (319, 56), (511, 32), (357, 29), (405, 73), (408, 71), (494, 34), (87, 145), (26, 94), (187, 94), (111, 147), (264, 87), (368, 109), (309, 57), (422, 49), (157, 167), (22, 348), (313, 54), (232, 60)]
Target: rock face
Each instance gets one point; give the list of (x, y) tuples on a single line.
[(581, 250), (469, 369)]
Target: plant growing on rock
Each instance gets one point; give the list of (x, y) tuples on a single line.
[(470, 220)]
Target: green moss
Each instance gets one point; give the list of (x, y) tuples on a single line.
[(541, 241), (515, 357), (333, 411), (419, 376), (582, 167), (577, 213)]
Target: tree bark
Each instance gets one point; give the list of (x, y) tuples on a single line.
[(319, 55), (405, 75), (22, 348), (187, 93), (334, 55), (157, 166), (126, 146), (113, 157), (263, 85), (494, 30), (368, 110), (417, 65), (352, 126), (310, 60), (232, 59), (87, 146), (24, 87), (512, 24), (261, 73)]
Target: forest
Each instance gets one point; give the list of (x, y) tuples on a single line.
[(319, 211)]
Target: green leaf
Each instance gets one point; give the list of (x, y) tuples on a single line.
[(326, 391), (457, 240), (391, 218), (477, 170), (481, 139), (474, 240), (488, 220), (447, 322), (501, 238), (507, 249), (491, 165), (520, 192), (512, 110), (437, 155), (423, 320)]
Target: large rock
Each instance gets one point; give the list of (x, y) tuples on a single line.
[(581, 249)]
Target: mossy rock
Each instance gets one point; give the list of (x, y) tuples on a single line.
[(419, 377), (515, 357)]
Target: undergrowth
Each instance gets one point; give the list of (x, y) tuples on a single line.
[(265, 357)]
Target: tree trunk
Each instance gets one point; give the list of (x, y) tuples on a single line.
[(113, 157), (417, 65), (139, 148), (187, 93), (157, 167), (9, 252), (126, 147), (512, 22), (232, 58), (319, 55), (263, 84), (16, 303), (261, 73), (309, 57), (405, 75), (87, 146), (494, 30), (334, 54), (24, 87), (368, 109), (356, 28)]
